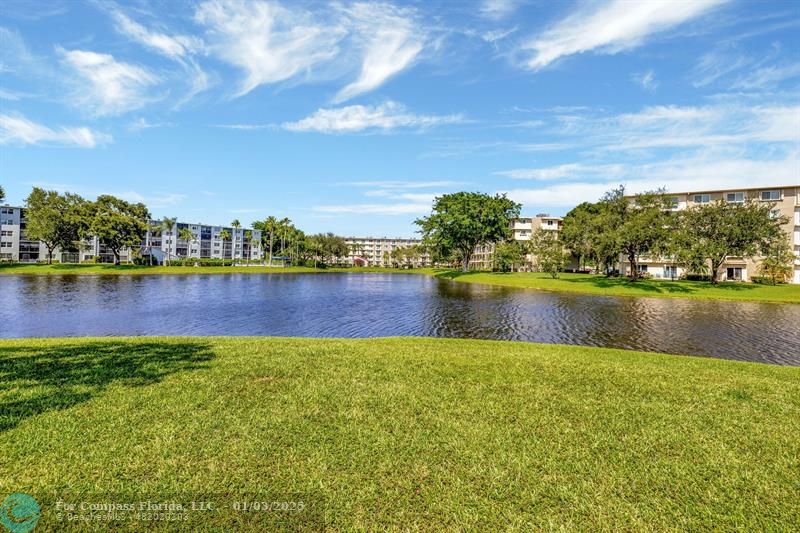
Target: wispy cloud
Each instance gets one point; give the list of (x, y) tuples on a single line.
[(767, 77), (391, 40), (404, 184), (565, 171), (497, 9), (610, 28), (142, 124), (399, 208), (647, 80), (179, 48), (267, 41), (20, 130), (109, 87), (386, 116)]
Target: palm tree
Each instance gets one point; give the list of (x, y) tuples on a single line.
[(169, 225), (225, 235), (248, 237), (152, 229), (271, 226), (284, 224), (185, 234), (235, 225)]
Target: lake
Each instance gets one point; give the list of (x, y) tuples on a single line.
[(370, 305)]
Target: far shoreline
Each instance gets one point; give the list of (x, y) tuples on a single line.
[(591, 284)]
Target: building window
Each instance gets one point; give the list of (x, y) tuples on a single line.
[(702, 198), (734, 273), (549, 222), (770, 196), (671, 271), (673, 202), (641, 268), (735, 197)]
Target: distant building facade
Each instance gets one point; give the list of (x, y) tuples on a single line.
[(786, 202), (376, 251), (162, 244)]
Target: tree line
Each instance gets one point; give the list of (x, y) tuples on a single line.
[(698, 238), (65, 221)]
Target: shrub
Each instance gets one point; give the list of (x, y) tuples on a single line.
[(696, 277)]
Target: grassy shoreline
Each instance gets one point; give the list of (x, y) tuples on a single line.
[(573, 283), (403, 433)]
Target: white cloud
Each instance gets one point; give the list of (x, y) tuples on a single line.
[(18, 129), (400, 208), (267, 41), (568, 171), (142, 124), (647, 80), (611, 28), (767, 77), (386, 116), (113, 87), (405, 184), (179, 48), (702, 172), (391, 40), (155, 200), (172, 46), (497, 9)]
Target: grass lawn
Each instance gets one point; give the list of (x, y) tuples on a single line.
[(598, 284), (412, 434), (582, 283)]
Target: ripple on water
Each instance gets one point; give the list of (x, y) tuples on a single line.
[(368, 305)]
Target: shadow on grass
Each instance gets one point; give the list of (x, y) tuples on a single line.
[(34, 380), (602, 282)]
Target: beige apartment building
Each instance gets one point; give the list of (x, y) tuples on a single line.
[(370, 251), (522, 229), (787, 203)]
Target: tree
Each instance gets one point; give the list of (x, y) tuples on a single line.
[(248, 237), (185, 234), (2, 194), (235, 225), (548, 252), (269, 226), (710, 233), (778, 261), (152, 230), (284, 224), (641, 227), (507, 255), (169, 224), (581, 233), (461, 221), (117, 223), (225, 235), (54, 219)]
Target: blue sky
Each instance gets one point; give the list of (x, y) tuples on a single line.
[(351, 117)]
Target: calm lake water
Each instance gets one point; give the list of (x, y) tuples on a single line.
[(368, 305)]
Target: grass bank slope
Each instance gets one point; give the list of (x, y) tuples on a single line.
[(412, 433), (594, 284)]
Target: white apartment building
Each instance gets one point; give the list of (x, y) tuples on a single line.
[(163, 244), (522, 229), (371, 251), (787, 203)]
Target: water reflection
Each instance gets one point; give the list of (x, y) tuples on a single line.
[(365, 305)]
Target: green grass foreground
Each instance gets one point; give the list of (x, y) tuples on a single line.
[(577, 283), (402, 434)]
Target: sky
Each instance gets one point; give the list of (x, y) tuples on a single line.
[(351, 117)]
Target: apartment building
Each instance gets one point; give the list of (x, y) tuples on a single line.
[(370, 251), (786, 202), (163, 244), (522, 229)]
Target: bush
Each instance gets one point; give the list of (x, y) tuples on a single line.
[(697, 277), (765, 280)]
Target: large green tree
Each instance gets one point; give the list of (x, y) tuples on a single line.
[(710, 233), (507, 255), (461, 221), (117, 223), (582, 232), (548, 251), (2, 194), (640, 226), (54, 219), (778, 261)]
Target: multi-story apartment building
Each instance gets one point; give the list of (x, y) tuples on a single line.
[(206, 244), (786, 202), (371, 251), (522, 229), (162, 244)]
